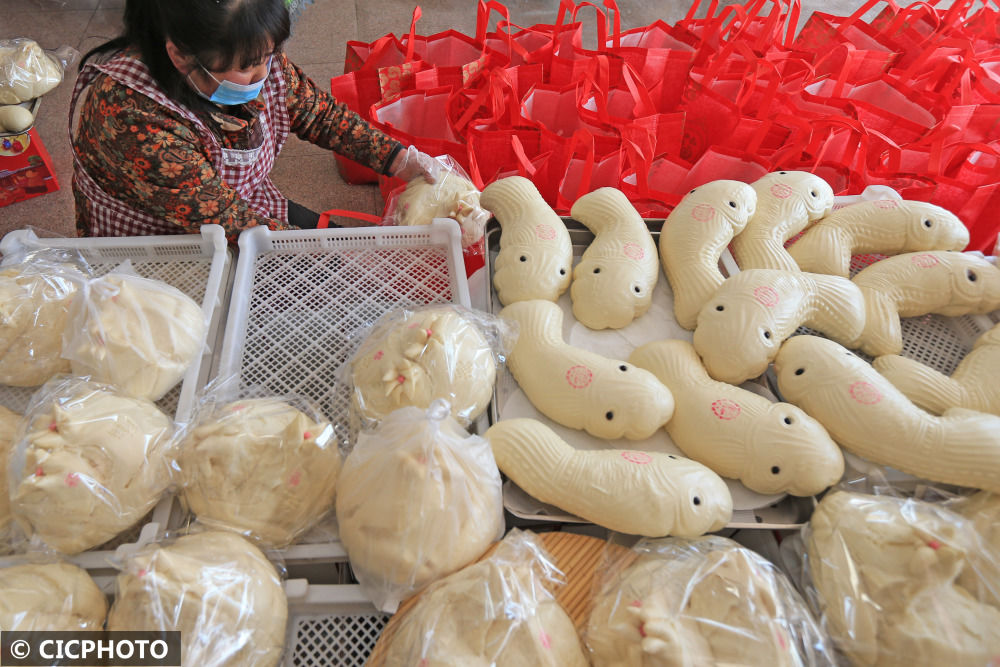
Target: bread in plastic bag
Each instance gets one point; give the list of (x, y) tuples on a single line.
[(9, 424), (417, 499), (92, 462), (413, 356), (216, 588), (706, 601), (139, 334), (887, 575), (497, 612), (27, 71), (50, 596), (36, 291), (451, 195), (261, 467)]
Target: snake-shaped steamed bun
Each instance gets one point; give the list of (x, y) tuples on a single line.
[(740, 328), (613, 283), (787, 201), (580, 389), (634, 492), (694, 237), (536, 256), (914, 284), (885, 226), (770, 447), (973, 385), (869, 417)]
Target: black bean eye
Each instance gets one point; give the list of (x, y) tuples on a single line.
[(671, 456), (788, 420), (523, 258), (812, 193), (609, 415), (782, 172), (927, 224), (637, 289), (597, 270), (692, 192), (971, 275), (720, 308), (623, 368), (775, 470), (696, 500), (562, 272), (800, 371), (767, 334), (732, 204)]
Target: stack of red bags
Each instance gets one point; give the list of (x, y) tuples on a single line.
[(910, 100)]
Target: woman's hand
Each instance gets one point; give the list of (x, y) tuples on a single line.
[(411, 163)]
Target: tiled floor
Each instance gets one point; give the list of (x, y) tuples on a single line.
[(303, 172)]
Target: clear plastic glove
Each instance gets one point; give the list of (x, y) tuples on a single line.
[(411, 163)]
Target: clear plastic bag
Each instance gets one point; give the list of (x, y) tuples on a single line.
[(89, 464), (139, 334), (10, 423), (902, 581), (216, 588), (451, 195), (417, 499), (498, 612), (37, 290), (263, 466), (706, 601), (412, 356), (28, 71), (44, 595)]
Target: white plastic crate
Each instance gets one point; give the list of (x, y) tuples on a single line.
[(302, 298), (198, 265), (330, 625)]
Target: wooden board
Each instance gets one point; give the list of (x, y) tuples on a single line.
[(577, 556)]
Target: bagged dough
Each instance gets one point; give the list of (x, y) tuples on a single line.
[(452, 195), (217, 589), (417, 499), (92, 462), (886, 576), (26, 71), (9, 423), (497, 612), (412, 357), (139, 334), (50, 597), (260, 467), (35, 298), (707, 601)]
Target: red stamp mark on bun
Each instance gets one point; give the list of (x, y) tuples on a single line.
[(579, 377), (726, 409)]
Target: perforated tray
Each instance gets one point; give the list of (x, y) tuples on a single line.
[(201, 267), (302, 299)]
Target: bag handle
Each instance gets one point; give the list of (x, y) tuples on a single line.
[(483, 12), (494, 94), (412, 35), (324, 217)]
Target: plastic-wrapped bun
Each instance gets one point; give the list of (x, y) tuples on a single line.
[(496, 612), (50, 597), (412, 357), (217, 589), (452, 195), (418, 498), (888, 574), (34, 309), (91, 463), (260, 467), (26, 71), (707, 601), (9, 423), (141, 335)]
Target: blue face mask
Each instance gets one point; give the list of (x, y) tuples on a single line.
[(232, 94)]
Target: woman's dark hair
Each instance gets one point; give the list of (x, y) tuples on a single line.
[(221, 34)]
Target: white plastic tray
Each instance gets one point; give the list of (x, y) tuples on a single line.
[(198, 265), (300, 301)]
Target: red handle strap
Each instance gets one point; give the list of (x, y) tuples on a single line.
[(411, 37), (324, 217), (483, 12)]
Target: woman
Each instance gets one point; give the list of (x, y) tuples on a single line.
[(181, 119)]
